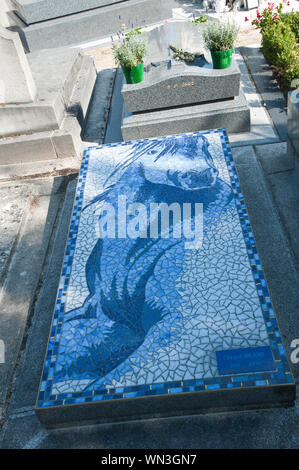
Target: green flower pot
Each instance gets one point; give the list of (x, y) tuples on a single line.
[(222, 59), (134, 74)]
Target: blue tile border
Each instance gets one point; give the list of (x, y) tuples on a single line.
[(280, 376)]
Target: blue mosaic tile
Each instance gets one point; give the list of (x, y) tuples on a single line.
[(147, 309)]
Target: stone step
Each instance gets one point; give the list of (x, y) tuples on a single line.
[(55, 167), (93, 24), (34, 11), (59, 142), (61, 76), (55, 73), (41, 146)]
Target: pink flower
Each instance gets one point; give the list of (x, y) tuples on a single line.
[(246, 19), (288, 4), (167, 21)]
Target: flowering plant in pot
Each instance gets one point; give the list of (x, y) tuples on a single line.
[(129, 53), (219, 39)]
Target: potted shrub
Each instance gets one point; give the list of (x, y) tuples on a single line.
[(219, 38), (129, 53)]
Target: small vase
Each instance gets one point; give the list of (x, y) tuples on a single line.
[(222, 59), (134, 74)]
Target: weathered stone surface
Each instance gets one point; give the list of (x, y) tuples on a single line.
[(14, 200), (274, 158), (293, 123), (26, 148), (234, 115), (176, 84), (28, 258), (16, 80), (33, 11)]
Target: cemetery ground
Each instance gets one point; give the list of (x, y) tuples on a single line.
[(34, 221)]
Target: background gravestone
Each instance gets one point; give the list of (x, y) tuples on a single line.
[(293, 123), (16, 81), (33, 11)]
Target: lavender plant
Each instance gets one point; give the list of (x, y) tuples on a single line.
[(220, 36), (123, 54), (130, 48)]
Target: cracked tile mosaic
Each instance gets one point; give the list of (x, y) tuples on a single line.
[(161, 290)]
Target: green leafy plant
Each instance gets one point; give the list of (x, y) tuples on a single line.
[(200, 19), (280, 48), (220, 36), (292, 19), (280, 35)]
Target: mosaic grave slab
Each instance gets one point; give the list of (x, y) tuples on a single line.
[(161, 309)]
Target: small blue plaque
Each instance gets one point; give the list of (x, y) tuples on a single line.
[(238, 361)]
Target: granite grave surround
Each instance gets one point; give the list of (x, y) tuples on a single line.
[(78, 22), (42, 116), (172, 84), (234, 115), (176, 96), (262, 129), (161, 319), (293, 123), (169, 83)]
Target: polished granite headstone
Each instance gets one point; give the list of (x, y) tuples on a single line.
[(170, 83), (162, 307), (179, 96)]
